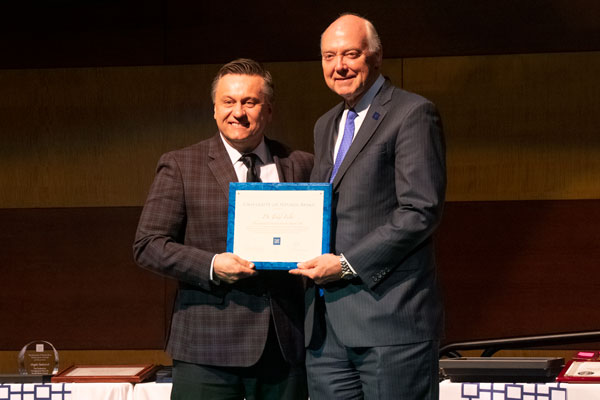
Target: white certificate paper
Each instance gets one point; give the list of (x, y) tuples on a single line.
[(277, 225)]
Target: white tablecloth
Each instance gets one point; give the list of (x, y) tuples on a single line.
[(34, 391), (162, 391), (66, 391), (101, 391), (519, 391), (152, 391)]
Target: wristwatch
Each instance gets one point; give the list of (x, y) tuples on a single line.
[(346, 271)]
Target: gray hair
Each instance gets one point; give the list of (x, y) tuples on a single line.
[(373, 41)]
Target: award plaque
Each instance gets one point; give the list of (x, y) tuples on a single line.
[(133, 373), (582, 371), (38, 358), (277, 225)]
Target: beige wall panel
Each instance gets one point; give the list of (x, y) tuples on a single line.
[(77, 137), (91, 137), (518, 127), (301, 96)]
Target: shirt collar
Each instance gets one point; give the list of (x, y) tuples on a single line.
[(365, 101), (261, 151)]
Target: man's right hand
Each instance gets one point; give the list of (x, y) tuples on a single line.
[(230, 268)]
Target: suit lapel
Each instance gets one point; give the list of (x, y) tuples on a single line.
[(327, 143), (285, 169), (376, 114), (220, 165)]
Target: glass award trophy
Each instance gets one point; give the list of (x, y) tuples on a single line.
[(38, 358)]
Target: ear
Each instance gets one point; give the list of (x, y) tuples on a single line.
[(378, 59), (269, 110)]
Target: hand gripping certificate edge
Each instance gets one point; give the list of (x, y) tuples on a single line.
[(234, 187)]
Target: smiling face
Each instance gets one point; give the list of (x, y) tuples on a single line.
[(349, 66), (242, 111)]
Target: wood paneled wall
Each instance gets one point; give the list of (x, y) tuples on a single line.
[(518, 127), (516, 268), (507, 268), (68, 277), (78, 148)]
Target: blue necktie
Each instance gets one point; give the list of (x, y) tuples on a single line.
[(346, 142)]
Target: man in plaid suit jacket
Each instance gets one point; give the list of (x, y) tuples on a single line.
[(236, 332)]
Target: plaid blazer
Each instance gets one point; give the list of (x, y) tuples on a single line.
[(182, 226)]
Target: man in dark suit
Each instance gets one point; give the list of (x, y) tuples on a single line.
[(236, 332), (374, 331)]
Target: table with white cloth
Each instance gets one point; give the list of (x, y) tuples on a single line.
[(66, 391), (152, 391), (450, 391), (518, 391), (161, 391)]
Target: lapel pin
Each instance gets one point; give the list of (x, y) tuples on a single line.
[(376, 116)]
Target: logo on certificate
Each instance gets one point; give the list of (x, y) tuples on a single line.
[(276, 241)]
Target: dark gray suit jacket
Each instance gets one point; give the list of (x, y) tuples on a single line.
[(182, 226), (387, 202)]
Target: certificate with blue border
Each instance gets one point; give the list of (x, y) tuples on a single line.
[(277, 225)]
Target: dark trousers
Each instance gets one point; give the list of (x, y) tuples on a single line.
[(271, 378), (399, 372)]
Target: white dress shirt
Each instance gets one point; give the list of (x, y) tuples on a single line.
[(267, 173), (267, 167), (361, 109)]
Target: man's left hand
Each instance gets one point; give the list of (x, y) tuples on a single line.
[(322, 269)]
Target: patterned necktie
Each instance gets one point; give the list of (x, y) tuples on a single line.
[(346, 142), (249, 160)]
